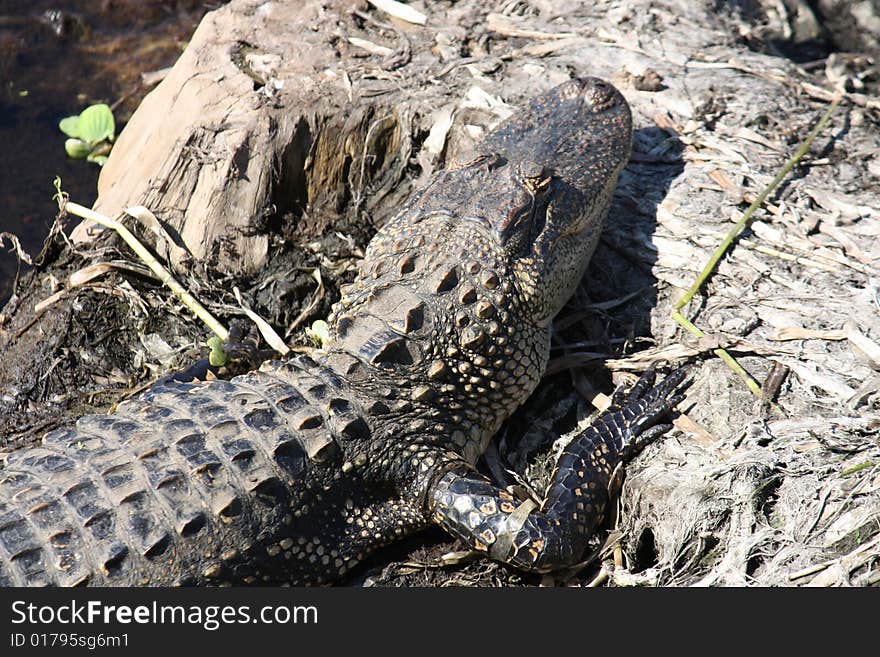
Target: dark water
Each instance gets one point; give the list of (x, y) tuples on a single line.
[(56, 58)]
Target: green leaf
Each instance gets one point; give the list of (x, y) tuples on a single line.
[(97, 159), (77, 149), (70, 126), (96, 124), (319, 332), (217, 357)]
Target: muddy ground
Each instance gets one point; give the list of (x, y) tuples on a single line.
[(744, 491)]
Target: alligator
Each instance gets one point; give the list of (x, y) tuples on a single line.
[(294, 472)]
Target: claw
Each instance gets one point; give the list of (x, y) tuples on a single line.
[(647, 405), (644, 384), (675, 380)]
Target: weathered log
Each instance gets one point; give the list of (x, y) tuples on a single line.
[(257, 118)]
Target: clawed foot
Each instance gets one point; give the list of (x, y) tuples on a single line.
[(641, 414)]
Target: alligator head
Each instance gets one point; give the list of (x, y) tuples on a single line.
[(564, 151)]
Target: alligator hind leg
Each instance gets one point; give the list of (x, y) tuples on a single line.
[(542, 539), (350, 535)]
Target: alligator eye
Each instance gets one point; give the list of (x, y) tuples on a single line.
[(534, 177), (530, 170), (513, 228)]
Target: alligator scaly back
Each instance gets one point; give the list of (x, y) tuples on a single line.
[(296, 471)]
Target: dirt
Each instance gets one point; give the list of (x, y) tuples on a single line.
[(744, 491), (102, 341)]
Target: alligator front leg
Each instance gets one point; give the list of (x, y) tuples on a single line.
[(555, 535)]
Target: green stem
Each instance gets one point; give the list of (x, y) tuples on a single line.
[(721, 353), (150, 260), (744, 220), (731, 236)]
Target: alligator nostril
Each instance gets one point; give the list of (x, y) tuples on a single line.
[(600, 95), (573, 88)]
